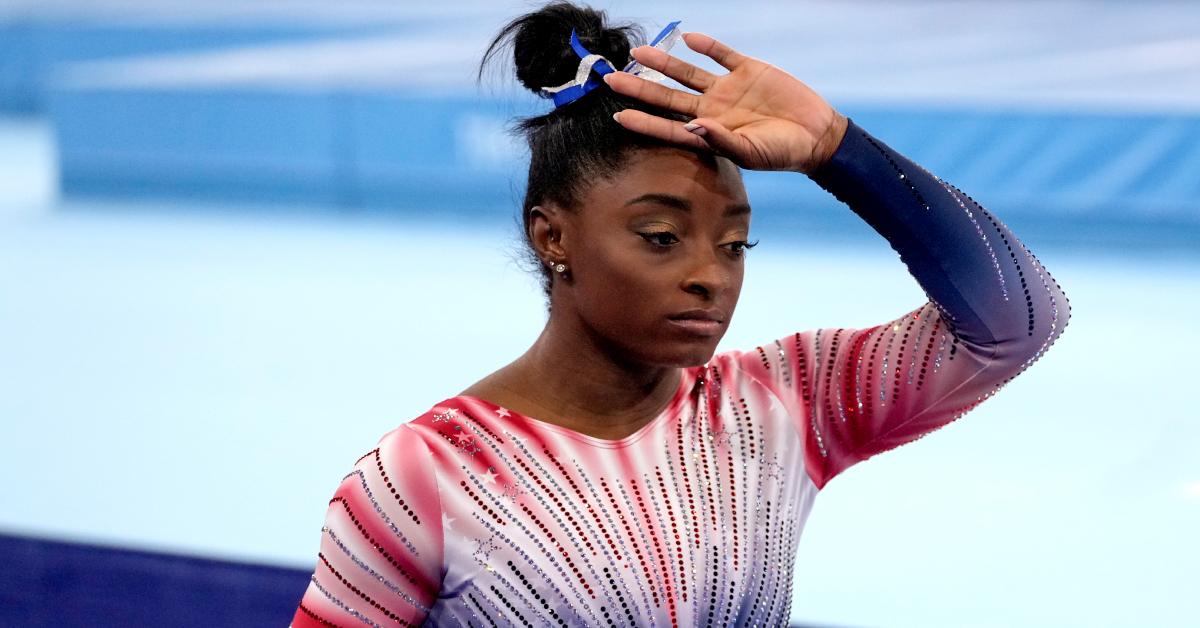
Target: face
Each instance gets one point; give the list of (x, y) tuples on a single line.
[(657, 257)]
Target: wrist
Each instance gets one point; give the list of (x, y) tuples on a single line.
[(828, 143)]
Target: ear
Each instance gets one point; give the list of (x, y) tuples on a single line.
[(546, 224)]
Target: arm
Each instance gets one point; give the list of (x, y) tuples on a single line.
[(992, 311), (380, 557)]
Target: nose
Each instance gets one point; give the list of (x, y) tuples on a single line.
[(707, 276)]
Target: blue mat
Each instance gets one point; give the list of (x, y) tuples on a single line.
[(53, 583)]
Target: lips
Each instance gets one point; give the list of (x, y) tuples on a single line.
[(700, 315), (699, 322)]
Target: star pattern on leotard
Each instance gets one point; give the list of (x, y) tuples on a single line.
[(468, 445), (723, 437), (490, 476), (483, 550), (513, 491), (445, 417), (770, 468)]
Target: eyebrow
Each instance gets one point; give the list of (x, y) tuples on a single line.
[(683, 204)]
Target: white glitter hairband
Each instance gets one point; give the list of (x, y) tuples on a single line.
[(589, 63)]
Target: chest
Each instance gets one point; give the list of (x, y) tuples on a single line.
[(690, 523)]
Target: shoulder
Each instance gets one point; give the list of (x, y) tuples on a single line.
[(418, 437), (435, 440), (735, 365), (407, 454), (767, 374), (405, 465), (739, 374)]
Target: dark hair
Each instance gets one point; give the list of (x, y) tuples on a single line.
[(579, 142)]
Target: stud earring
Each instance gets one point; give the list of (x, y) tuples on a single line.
[(560, 268)]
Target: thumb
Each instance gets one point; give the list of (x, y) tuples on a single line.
[(718, 137)]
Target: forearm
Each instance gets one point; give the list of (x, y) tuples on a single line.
[(990, 290)]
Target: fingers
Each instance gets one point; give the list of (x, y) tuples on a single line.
[(729, 58), (719, 138), (653, 93), (674, 67), (661, 128)]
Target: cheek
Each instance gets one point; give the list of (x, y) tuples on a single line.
[(620, 284), (605, 274)]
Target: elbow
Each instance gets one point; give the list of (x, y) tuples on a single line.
[(1046, 325), (1058, 312)]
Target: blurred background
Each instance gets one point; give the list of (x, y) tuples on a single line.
[(241, 241)]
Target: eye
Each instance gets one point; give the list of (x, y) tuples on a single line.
[(660, 239), (740, 247)]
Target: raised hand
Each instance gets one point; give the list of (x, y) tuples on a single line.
[(757, 115)]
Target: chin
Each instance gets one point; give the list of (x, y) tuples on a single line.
[(700, 361), (688, 355), (659, 347)]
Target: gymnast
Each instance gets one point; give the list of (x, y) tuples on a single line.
[(621, 472)]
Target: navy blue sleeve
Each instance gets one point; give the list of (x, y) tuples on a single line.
[(985, 282)]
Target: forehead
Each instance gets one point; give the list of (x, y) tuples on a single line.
[(706, 181)]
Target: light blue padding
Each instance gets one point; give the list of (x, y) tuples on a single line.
[(274, 146), (1095, 179), (349, 149), (1078, 163)]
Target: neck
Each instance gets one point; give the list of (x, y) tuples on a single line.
[(587, 386)]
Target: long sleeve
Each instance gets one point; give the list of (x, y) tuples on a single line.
[(380, 558), (992, 311)]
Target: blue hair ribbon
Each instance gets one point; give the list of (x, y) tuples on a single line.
[(593, 66)]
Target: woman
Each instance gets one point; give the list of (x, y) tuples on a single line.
[(620, 473)]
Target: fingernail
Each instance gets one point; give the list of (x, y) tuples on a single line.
[(617, 116), (695, 128), (606, 77)]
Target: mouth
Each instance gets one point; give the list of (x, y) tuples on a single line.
[(705, 323)]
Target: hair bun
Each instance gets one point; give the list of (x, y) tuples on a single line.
[(542, 53)]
